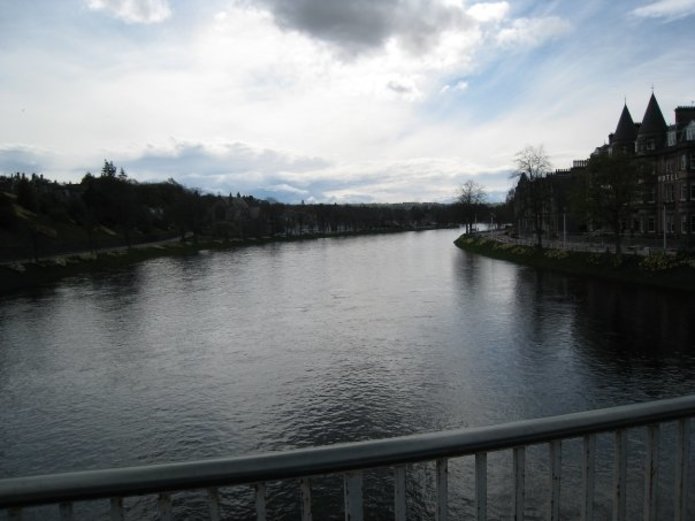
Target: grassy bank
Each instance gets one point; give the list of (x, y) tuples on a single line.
[(658, 270), (16, 276), (21, 275)]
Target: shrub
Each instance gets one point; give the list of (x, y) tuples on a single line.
[(557, 254), (659, 262)]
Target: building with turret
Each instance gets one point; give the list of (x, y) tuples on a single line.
[(667, 154), (666, 159)]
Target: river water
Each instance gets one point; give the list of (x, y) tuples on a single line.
[(298, 344)]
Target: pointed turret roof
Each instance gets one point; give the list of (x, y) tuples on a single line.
[(653, 121), (625, 131)]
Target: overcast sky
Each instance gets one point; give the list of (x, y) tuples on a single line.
[(329, 100)]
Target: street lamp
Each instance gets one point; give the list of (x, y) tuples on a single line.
[(664, 226)]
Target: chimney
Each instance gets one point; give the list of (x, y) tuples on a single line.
[(684, 115)]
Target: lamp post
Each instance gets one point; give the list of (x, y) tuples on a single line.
[(664, 226)]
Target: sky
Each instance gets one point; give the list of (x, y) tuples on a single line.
[(329, 100)]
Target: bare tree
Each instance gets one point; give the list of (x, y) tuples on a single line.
[(533, 190), (471, 197)]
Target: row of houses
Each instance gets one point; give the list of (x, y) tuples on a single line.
[(665, 205)]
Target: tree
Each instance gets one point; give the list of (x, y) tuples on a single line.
[(613, 186), (533, 190), (109, 169), (471, 197), (27, 195), (8, 217), (112, 200)]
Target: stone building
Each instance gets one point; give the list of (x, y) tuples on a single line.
[(667, 158)]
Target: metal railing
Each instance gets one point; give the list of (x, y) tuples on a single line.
[(352, 459)]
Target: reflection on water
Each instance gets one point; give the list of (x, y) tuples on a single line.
[(311, 343)]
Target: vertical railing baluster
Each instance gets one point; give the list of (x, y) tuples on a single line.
[(442, 507), (305, 491), (353, 496), (399, 493), (519, 471), (589, 476), (651, 469), (555, 477), (14, 514), (481, 486), (65, 511), (214, 503), (116, 510), (682, 458), (620, 476), (165, 507), (260, 501)]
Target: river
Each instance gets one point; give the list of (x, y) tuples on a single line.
[(297, 344)]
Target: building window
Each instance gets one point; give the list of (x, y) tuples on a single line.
[(684, 224), (690, 131), (692, 160), (671, 138), (692, 222), (668, 192), (651, 194), (684, 191), (650, 225), (692, 191), (684, 162), (670, 223)]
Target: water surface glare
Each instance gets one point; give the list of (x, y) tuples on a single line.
[(298, 344)]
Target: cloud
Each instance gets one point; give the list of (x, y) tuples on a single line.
[(669, 9), (360, 26), (22, 158), (405, 88), (221, 159), (271, 96), (460, 86), (357, 25), (286, 188), (489, 12), (424, 179), (134, 11), (287, 177), (532, 32)]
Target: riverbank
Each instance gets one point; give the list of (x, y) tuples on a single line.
[(16, 276), (656, 270)]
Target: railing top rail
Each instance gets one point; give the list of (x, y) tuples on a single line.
[(148, 479)]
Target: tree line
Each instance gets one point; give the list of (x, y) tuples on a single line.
[(39, 216)]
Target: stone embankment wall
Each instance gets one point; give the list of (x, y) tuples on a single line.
[(643, 266)]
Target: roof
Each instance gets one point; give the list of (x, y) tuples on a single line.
[(625, 131), (653, 121)]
